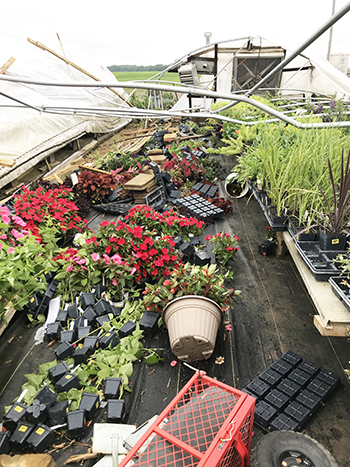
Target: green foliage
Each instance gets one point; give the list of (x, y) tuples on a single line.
[(113, 160)]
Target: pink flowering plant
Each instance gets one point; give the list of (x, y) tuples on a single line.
[(224, 246), (23, 262), (80, 271), (191, 280), (167, 223)]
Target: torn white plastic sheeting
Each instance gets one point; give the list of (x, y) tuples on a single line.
[(103, 437), (28, 135)]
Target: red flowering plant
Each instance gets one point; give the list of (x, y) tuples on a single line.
[(36, 207), (147, 255), (225, 246), (191, 280), (182, 169), (167, 223)]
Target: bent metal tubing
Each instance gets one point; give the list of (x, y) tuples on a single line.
[(193, 91)]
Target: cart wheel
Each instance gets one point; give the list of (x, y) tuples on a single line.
[(290, 449)]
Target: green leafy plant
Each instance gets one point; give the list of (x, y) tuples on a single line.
[(23, 262), (191, 280)]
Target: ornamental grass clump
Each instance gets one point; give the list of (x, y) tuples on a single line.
[(225, 246), (191, 280)]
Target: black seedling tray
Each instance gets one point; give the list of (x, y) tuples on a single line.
[(341, 290), (320, 262), (290, 392), (277, 223)]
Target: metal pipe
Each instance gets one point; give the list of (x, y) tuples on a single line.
[(194, 91), (333, 19)]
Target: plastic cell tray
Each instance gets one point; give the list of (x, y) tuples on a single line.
[(341, 290), (320, 262), (290, 392)]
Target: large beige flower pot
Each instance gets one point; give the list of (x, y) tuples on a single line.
[(192, 322)]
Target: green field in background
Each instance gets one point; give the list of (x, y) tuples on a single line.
[(143, 75)]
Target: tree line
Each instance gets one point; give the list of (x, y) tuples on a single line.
[(158, 67)]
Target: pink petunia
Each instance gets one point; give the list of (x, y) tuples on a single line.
[(11, 250), (228, 327), (19, 221), (117, 259), (173, 363), (3, 237), (95, 256), (69, 268), (17, 234)]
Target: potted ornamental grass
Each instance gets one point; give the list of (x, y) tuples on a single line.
[(192, 301)]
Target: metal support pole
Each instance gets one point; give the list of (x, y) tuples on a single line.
[(333, 19)]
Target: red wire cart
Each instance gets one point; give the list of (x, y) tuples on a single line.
[(207, 424)]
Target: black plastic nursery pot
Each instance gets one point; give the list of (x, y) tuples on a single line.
[(58, 413), (127, 329), (115, 410), (109, 340), (332, 242), (53, 331), (112, 388), (90, 403), (149, 322), (87, 299), (37, 412), (14, 415), (67, 382), (41, 438), (4, 442), (76, 424), (18, 440), (64, 350), (46, 396), (57, 371), (68, 336)]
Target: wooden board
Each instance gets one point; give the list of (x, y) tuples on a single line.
[(333, 318), (140, 182), (157, 159), (7, 162), (336, 329), (9, 314)]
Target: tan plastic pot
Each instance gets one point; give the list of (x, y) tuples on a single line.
[(192, 322)]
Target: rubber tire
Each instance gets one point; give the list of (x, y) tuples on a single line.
[(267, 450)]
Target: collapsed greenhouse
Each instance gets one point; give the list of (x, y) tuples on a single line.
[(238, 198)]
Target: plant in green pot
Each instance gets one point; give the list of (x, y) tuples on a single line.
[(192, 300)]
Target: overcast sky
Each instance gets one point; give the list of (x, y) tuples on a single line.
[(146, 33)]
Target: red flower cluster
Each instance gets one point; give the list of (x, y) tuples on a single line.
[(167, 223), (146, 255), (39, 205)]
